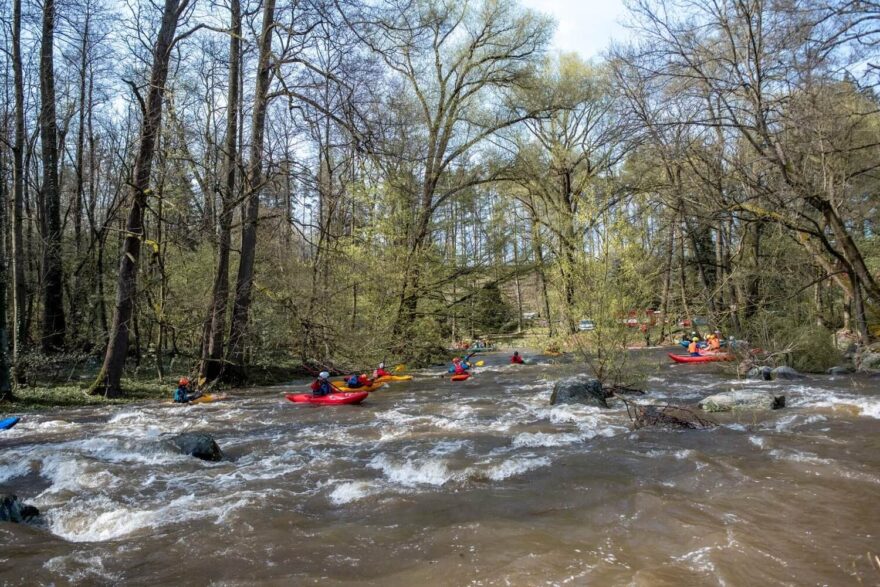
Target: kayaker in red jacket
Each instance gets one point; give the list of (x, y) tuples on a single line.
[(321, 385), (516, 359), (380, 371), (356, 381)]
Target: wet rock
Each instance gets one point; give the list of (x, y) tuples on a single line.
[(669, 417), (762, 373), (201, 446), (840, 370), (13, 509), (581, 389), (868, 361), (742, 399), (786, 373)]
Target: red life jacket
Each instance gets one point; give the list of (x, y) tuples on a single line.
[(516, 359)]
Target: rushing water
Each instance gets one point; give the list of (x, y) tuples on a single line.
[(439, 483)]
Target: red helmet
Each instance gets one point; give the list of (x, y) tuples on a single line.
[(183, 381)]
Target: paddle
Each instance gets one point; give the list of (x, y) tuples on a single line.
[(399, 368)]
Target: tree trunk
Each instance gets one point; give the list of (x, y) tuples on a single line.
[(19, 293), (53, 275), (108, 380), (5, 379), (212, 357), (667, 283), (245, 279)]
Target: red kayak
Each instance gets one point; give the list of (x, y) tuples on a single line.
[(701, 359), (461, 377), (332, 399)]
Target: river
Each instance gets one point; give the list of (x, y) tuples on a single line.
[(439, 483)]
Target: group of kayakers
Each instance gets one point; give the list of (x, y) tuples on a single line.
[(711, 344)]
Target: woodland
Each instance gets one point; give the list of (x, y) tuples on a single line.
[(225, 187)]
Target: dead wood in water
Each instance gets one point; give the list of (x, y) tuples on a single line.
[(668, 416)]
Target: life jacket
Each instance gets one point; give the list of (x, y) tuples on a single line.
[(459, 368), (320, 387), (516, 359), (381, 373), (692, 348), (354, 381), (714, 343), (180, 395), (364, 380)]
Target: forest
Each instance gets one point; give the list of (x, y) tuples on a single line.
[(221, 187)]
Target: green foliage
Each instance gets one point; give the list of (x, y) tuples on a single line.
[(813, 349)]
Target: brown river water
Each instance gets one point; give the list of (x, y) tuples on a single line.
[(439, 483)]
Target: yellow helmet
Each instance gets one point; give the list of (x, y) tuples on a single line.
[(695, 339)]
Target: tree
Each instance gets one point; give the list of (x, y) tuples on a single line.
[(110, 375)]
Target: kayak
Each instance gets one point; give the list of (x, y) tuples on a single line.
[(707, 358), (208, 398), (390, 378), (367, 388), (8, 423), (333, 399), (462, 377)]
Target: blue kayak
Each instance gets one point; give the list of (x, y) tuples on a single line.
[(8, 423)]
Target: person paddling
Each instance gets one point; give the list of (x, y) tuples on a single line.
[(380, 371), (693, 349), (322, 386), (516, 359), (355, 381), (459, 367), (182, 394)]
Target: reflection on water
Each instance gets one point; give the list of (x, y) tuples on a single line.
[(481, 482)]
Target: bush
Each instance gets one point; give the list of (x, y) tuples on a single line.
[(813, 349)]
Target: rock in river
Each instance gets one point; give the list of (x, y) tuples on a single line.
[(786, 373), (762, 373), (13, 510), (201, 446), (743, 399), (581, 389)]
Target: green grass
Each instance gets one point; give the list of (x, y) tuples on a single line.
[(31, 399)]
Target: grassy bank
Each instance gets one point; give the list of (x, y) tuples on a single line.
[(31, 399)]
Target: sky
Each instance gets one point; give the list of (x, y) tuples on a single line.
[(584, 26)]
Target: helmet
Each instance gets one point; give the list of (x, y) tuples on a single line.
[(382, 365), (695, 339), (516, 353), (183, 381), (324, 375)]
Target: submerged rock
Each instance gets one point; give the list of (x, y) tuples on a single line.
[(581, 389), (201, 446), (670, 417), (786, 373), (14, 510), (743, 399)]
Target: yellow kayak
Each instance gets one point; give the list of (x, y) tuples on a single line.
[(390, 378), (346, 389), (204, 399)]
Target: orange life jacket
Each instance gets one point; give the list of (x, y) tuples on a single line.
[(692, 348)]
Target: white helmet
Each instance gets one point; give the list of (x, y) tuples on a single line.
[(382, 365), (324, 375)]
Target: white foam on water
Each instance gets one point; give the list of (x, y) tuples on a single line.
[(537, 439), (351, 491), (19, 468), (799, 457), (69, 473), (407, 473), (865, 406), (515, 466), (78, 567), (758, 441)]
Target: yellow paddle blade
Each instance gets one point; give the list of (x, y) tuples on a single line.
[(480, 363), (399, 368), (202, 381)]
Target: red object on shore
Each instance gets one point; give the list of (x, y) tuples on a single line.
[(701, 359), (333, 399), (461, 377)]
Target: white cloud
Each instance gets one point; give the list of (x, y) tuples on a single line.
[(584, 26)]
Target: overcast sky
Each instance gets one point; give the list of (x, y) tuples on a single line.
[(584, 26)]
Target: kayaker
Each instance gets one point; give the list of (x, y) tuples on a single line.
[(355, 381), (321, 386), (693, 349), (516, 359), (182, 394), (459, 367), (380, 371), (714, 342)]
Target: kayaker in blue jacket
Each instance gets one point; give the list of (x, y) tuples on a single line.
[(182, 394), (321, 385)]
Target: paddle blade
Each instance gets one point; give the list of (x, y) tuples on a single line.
[(480, 363), (399, 368)]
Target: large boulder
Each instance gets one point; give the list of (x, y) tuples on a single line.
[(762, 373), (840, 370), (201, 446), (868, 361), (13, 509), (786, 373), (742, 399), (581, 389)]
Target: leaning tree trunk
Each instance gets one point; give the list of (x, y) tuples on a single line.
[(108, 380), (245, 279), (53, 274), (212, 357)]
